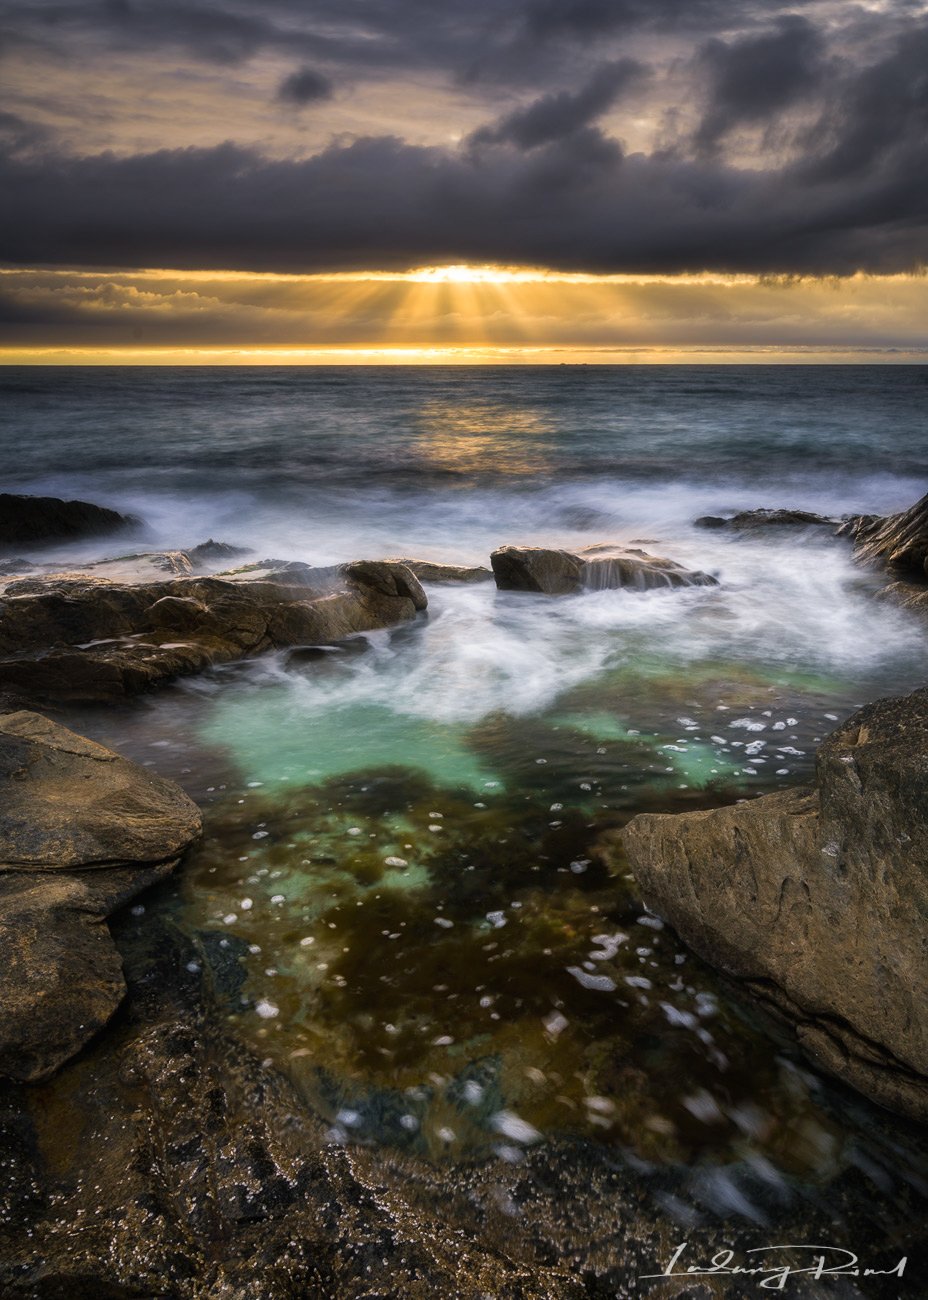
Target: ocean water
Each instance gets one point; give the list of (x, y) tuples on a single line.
[(404, 843)]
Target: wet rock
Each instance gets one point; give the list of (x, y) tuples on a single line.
[(136, 568), (210, 553), (897, 542), (81, 832), (751, 521), (25, 519), (595, 568), (433, 571), (204, 1174), (94, 638), (316, 654), (815, 899)]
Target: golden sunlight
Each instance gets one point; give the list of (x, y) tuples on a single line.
[(454, 314)]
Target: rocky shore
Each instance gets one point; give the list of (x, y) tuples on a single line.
[(815, 899), (28, 520), (82, 832), (87, 636), (152, 1154)]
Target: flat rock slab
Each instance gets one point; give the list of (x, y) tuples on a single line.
[(81, 832), (816, 899), (435, 571), (89, 637), (136, 568), (595, 568)]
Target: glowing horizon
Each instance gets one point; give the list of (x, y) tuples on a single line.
[(460, 356), (456, 314)]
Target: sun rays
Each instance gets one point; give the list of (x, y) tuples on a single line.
[(453, 314)]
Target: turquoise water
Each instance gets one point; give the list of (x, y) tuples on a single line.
[(411, 847)]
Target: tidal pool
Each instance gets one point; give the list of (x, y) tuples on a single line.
[(412, 857)]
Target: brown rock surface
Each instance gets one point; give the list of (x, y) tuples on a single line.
[(203, 1173), (595, 568), (81, 832), (900, 541), (92, 638), (817, 899), (434, 571)]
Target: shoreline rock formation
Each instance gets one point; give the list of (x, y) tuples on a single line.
[(751, 521), (205, 1173), (898, 542), (82, 831), (435, 571), (595, 568), (815, 900), (84, 637), (34, 520)]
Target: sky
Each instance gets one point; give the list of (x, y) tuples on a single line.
[(495, 180)]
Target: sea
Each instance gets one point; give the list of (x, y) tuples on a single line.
[(411, 842)]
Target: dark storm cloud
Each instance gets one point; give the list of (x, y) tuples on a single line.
[(540, 183), (214, 33), (565, 112), (582, 19), (305, 86), (877, 118), (574, 204), (754, 77), (463, 39)]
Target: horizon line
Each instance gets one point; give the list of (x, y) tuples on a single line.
[(231, 357)]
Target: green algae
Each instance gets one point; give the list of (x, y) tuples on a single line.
[(269, 743), (422, 963)]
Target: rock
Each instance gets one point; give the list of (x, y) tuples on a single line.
[(749, 521), (209, 553), (9, 567), (94, 638), (816, 899), (205, 1173), (433, 571), (898, 542), (81, 832), (139, 567), (595, 568), (25, 519)]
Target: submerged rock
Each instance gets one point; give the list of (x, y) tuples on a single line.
[(433, 571), (815, 899), (595, 568), (81, 832), (203, 1173), (93, 638), (749, 521), (25, 519)]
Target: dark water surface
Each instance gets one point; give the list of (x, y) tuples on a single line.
[(404, 845)]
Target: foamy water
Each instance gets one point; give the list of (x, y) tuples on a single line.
[(402, 840)]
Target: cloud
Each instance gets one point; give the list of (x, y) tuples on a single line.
[(573, 203), (755, 77), (93, 180), (561, 114), (53, 309), (305, 86), (877, 117), (216, 34)]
